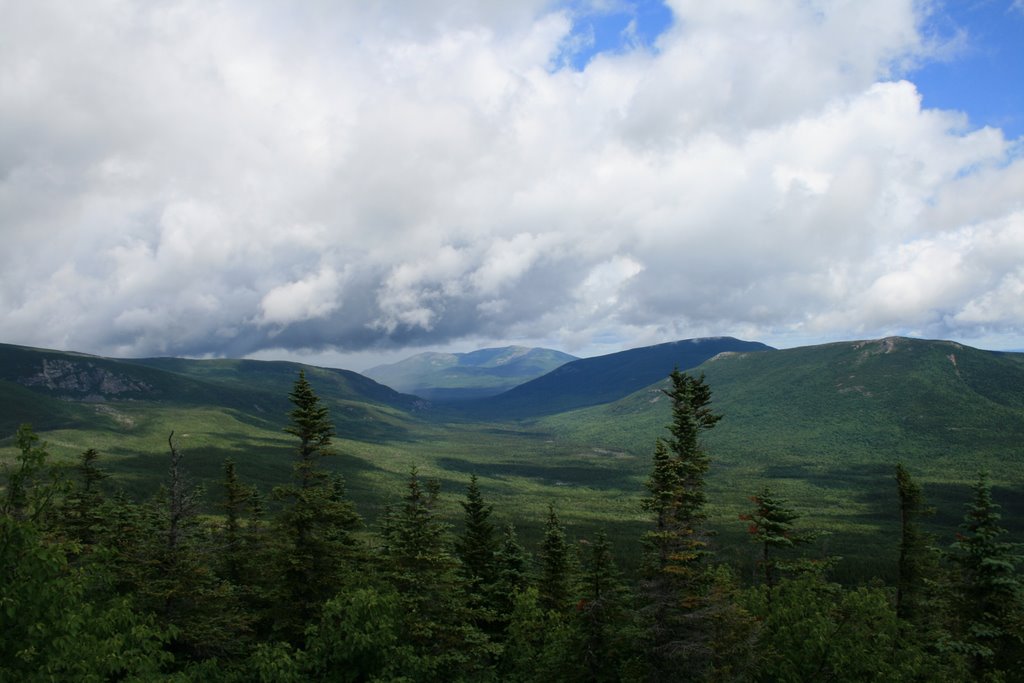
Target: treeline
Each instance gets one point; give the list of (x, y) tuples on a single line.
[(97, 587)]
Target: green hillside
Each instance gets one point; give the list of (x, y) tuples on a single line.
[(825, 425), (217, 408), (459, 376), (602, 379)]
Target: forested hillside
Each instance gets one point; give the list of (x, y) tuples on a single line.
[(290, 584), (602, 379)]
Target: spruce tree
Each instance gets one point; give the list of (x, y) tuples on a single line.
[(677, 554), (418, 558), (556, 576), (316, 524), (511, 575), (601, 614), (83, 510), (989, 594), (916, 561), (236, 498), (312, 425), (477, 545), (771, 527), (170, 566)]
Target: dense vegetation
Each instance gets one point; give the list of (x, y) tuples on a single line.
[(290, 585), (820, 425)]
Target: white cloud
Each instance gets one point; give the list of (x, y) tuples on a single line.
[(189, 177), (314, 296)]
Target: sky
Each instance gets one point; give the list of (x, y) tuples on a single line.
[(351, 183)]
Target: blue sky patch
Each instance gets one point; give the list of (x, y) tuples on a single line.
[(984, 77), (611, 27)]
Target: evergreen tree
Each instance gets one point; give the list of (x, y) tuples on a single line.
[(173, 575), (989, 594), (601, 613), (511, 575), (477, 546), (83, 510), (916, 560), (236, 500), (417, 555), (316, 545), (312, 425), (771, 527), (556, 575), (676, 577)]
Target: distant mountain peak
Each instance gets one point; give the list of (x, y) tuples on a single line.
[(469, 375)]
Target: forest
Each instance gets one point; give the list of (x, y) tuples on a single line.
[(292, 585)]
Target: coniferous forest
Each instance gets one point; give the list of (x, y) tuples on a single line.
[(291, 584)]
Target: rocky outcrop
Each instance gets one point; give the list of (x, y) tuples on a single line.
[(83, 380)]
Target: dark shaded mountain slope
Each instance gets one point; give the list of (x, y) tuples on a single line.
[(602, 379)]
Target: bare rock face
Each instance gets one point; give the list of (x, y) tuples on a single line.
[(83, 380)]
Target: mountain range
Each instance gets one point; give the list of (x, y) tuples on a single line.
[(823, 424), (462, 376)]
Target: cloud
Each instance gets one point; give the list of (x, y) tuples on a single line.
[(197, 178)]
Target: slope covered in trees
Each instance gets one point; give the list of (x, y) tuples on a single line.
[(96, 585), (795, 420), (602, 379), (823, 424)]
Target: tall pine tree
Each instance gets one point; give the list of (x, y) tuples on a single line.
[(676, 577)]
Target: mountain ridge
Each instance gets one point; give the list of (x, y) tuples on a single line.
[(602, 379), (470, 375)]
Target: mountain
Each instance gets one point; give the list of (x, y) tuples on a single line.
[(828, 423), (57, 389), (459, 376), (602, 379)]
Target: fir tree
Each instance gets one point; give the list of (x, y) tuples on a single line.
[(916, 561), (84, 508), (601, 613), (988, 589), (771, 527), (556, 575), (312, 425), (676, 577), (417, 555), (316, 524), (511, 574), (477, 546), (169, 567), (236, 499)]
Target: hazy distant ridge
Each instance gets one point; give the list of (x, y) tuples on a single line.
[(453, 376)]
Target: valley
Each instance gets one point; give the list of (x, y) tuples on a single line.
[(823, 425)]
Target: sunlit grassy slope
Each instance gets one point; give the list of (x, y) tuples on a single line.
[(823, 425)]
